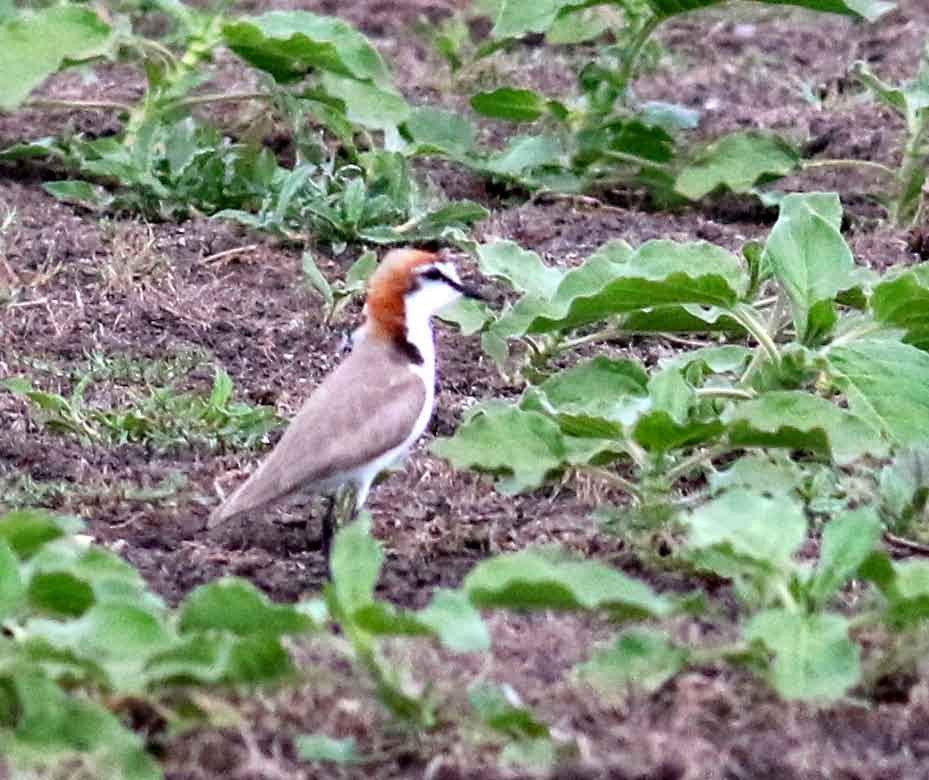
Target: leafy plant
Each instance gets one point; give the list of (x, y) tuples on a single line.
[(165, 163), (161, 417), (83, 637), (819, 323), (605, 136)]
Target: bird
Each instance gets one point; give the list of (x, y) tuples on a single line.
[(373, 407)]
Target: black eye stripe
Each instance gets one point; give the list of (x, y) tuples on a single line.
[(435, 274)]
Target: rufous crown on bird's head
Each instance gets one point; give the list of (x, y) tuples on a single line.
[(410, 281)]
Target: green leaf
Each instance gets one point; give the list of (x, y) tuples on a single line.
[(798, 420), (737, 162), (658, 273), (814, 658), (533, 579), (369, 105), (320, 748), (60, 593), (658, 431), (356, 564), (500, 709), (82, 193), (524, 154), (522, 269), (901, 300), (847, 542), (595, 398), (526, 446), (357, 276), (775, 474), (514, 105), (749, 538), (435, 130), (288, 44), (237, 606), (455, 621), (640, 658), (12, 588), (117, 637), (35, 45), (810, 258), (316, 278), (468, 314), (27, 530), (887, 384)]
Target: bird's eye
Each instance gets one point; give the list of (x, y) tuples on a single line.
[(433, 273)]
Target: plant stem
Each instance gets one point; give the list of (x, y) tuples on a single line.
[(110, 105), (725, 392), (199, 100), (601, 335), (747, 317), (635, 160), (697, 459), (848, 163), (911, 175), (627, 70), (612, 479)]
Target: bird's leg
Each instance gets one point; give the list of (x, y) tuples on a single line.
[(328, 529)]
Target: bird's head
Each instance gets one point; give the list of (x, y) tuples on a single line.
[(408, 285)]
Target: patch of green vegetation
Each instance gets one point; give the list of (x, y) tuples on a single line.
[(159, 416)]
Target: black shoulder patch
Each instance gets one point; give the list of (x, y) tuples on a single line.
[(410, 351)]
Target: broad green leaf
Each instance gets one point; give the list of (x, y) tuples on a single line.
[(288, 44), (745, 534), (639, 658), (594, 398), (814, 658), (60, 593), (904, 486), (468, 314), (435, 130), (738, 162), (887, 384), (119, 638), (320, 748), (659, 431), (237, 606), (356, 564), (522, 269), (526, 447), (51, 722), (524, 154), (370, 105), (500, 709), (658, 273), (258, 659), (82, 193), (357, 276), (455, 621), (12, 588), (576, 27), (35, 45), (798, 420), (901, 300), (27, 530), (514, 105), (534, 579), (775, 474), (518, 17), (847, 542), (810, 258)]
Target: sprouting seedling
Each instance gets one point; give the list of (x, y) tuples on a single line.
[(338, 294)]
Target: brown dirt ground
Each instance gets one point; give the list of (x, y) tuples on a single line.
[(73, 296)]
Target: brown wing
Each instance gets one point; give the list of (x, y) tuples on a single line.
[(366, 407)]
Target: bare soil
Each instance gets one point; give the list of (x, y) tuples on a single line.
[(76, 294)]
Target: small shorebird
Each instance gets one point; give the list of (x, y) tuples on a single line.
[(373, 407)]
